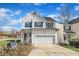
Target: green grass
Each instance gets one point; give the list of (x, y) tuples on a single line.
[(3, 43), (71, 47)]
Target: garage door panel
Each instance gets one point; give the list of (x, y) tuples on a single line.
[(44, 40)]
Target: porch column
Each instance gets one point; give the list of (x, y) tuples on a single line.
[(22, 36), (28, 38)]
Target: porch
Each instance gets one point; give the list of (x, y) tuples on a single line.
[(26, 36)]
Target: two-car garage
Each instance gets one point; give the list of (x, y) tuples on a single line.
[(42, 38)]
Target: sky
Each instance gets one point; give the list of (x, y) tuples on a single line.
[(11, 14)]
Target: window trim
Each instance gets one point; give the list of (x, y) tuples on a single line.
[(28, 24), (38, 24), (67, 28), (49, 24)]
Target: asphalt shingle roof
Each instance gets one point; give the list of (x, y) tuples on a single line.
[(46, 18), (74, 21), (49, 19)]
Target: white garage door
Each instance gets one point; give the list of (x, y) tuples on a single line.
[(44, 40)]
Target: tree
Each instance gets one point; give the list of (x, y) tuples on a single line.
[(65, 15)]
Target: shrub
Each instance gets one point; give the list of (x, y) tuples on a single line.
[(74, 42), (8, 45), (63, 44), (17, 41)]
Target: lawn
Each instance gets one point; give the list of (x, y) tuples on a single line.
[(71, 47), (3, 43)]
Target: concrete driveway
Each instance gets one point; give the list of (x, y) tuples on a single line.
[(54, 50)]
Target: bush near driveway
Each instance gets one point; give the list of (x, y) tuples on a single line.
[(18, 41), (74, 42), (70, 47)]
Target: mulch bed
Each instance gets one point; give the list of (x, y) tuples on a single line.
[(20, 50)]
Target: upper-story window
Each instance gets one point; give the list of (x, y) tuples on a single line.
[(28, 24), (49, 24), (67, 28), (38, 24)]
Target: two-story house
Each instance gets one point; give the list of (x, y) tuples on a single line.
[(74, 27), (67, 32), (41, 31)]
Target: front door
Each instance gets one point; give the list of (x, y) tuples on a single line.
[(25, 37)]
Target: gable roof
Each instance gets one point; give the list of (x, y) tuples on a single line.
[(33, 13), (74, 21), (36, 14), (49, 19)]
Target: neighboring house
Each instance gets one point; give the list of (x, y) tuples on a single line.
[(67, 32), (41, 31), (74, 27), (18, 34), (3, 35)]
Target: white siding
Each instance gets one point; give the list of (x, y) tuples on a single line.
[(44, 32), (50, 32), (60, 32)]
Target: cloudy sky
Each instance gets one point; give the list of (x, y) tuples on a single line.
[(11, 14)]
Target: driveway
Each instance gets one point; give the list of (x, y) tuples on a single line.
[(54, 50)]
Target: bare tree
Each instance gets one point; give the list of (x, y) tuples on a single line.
[(65, 15)]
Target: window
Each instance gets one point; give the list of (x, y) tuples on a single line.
[(49, 24), (67, 27), (64, 36), (28, 24), (38, 24)]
